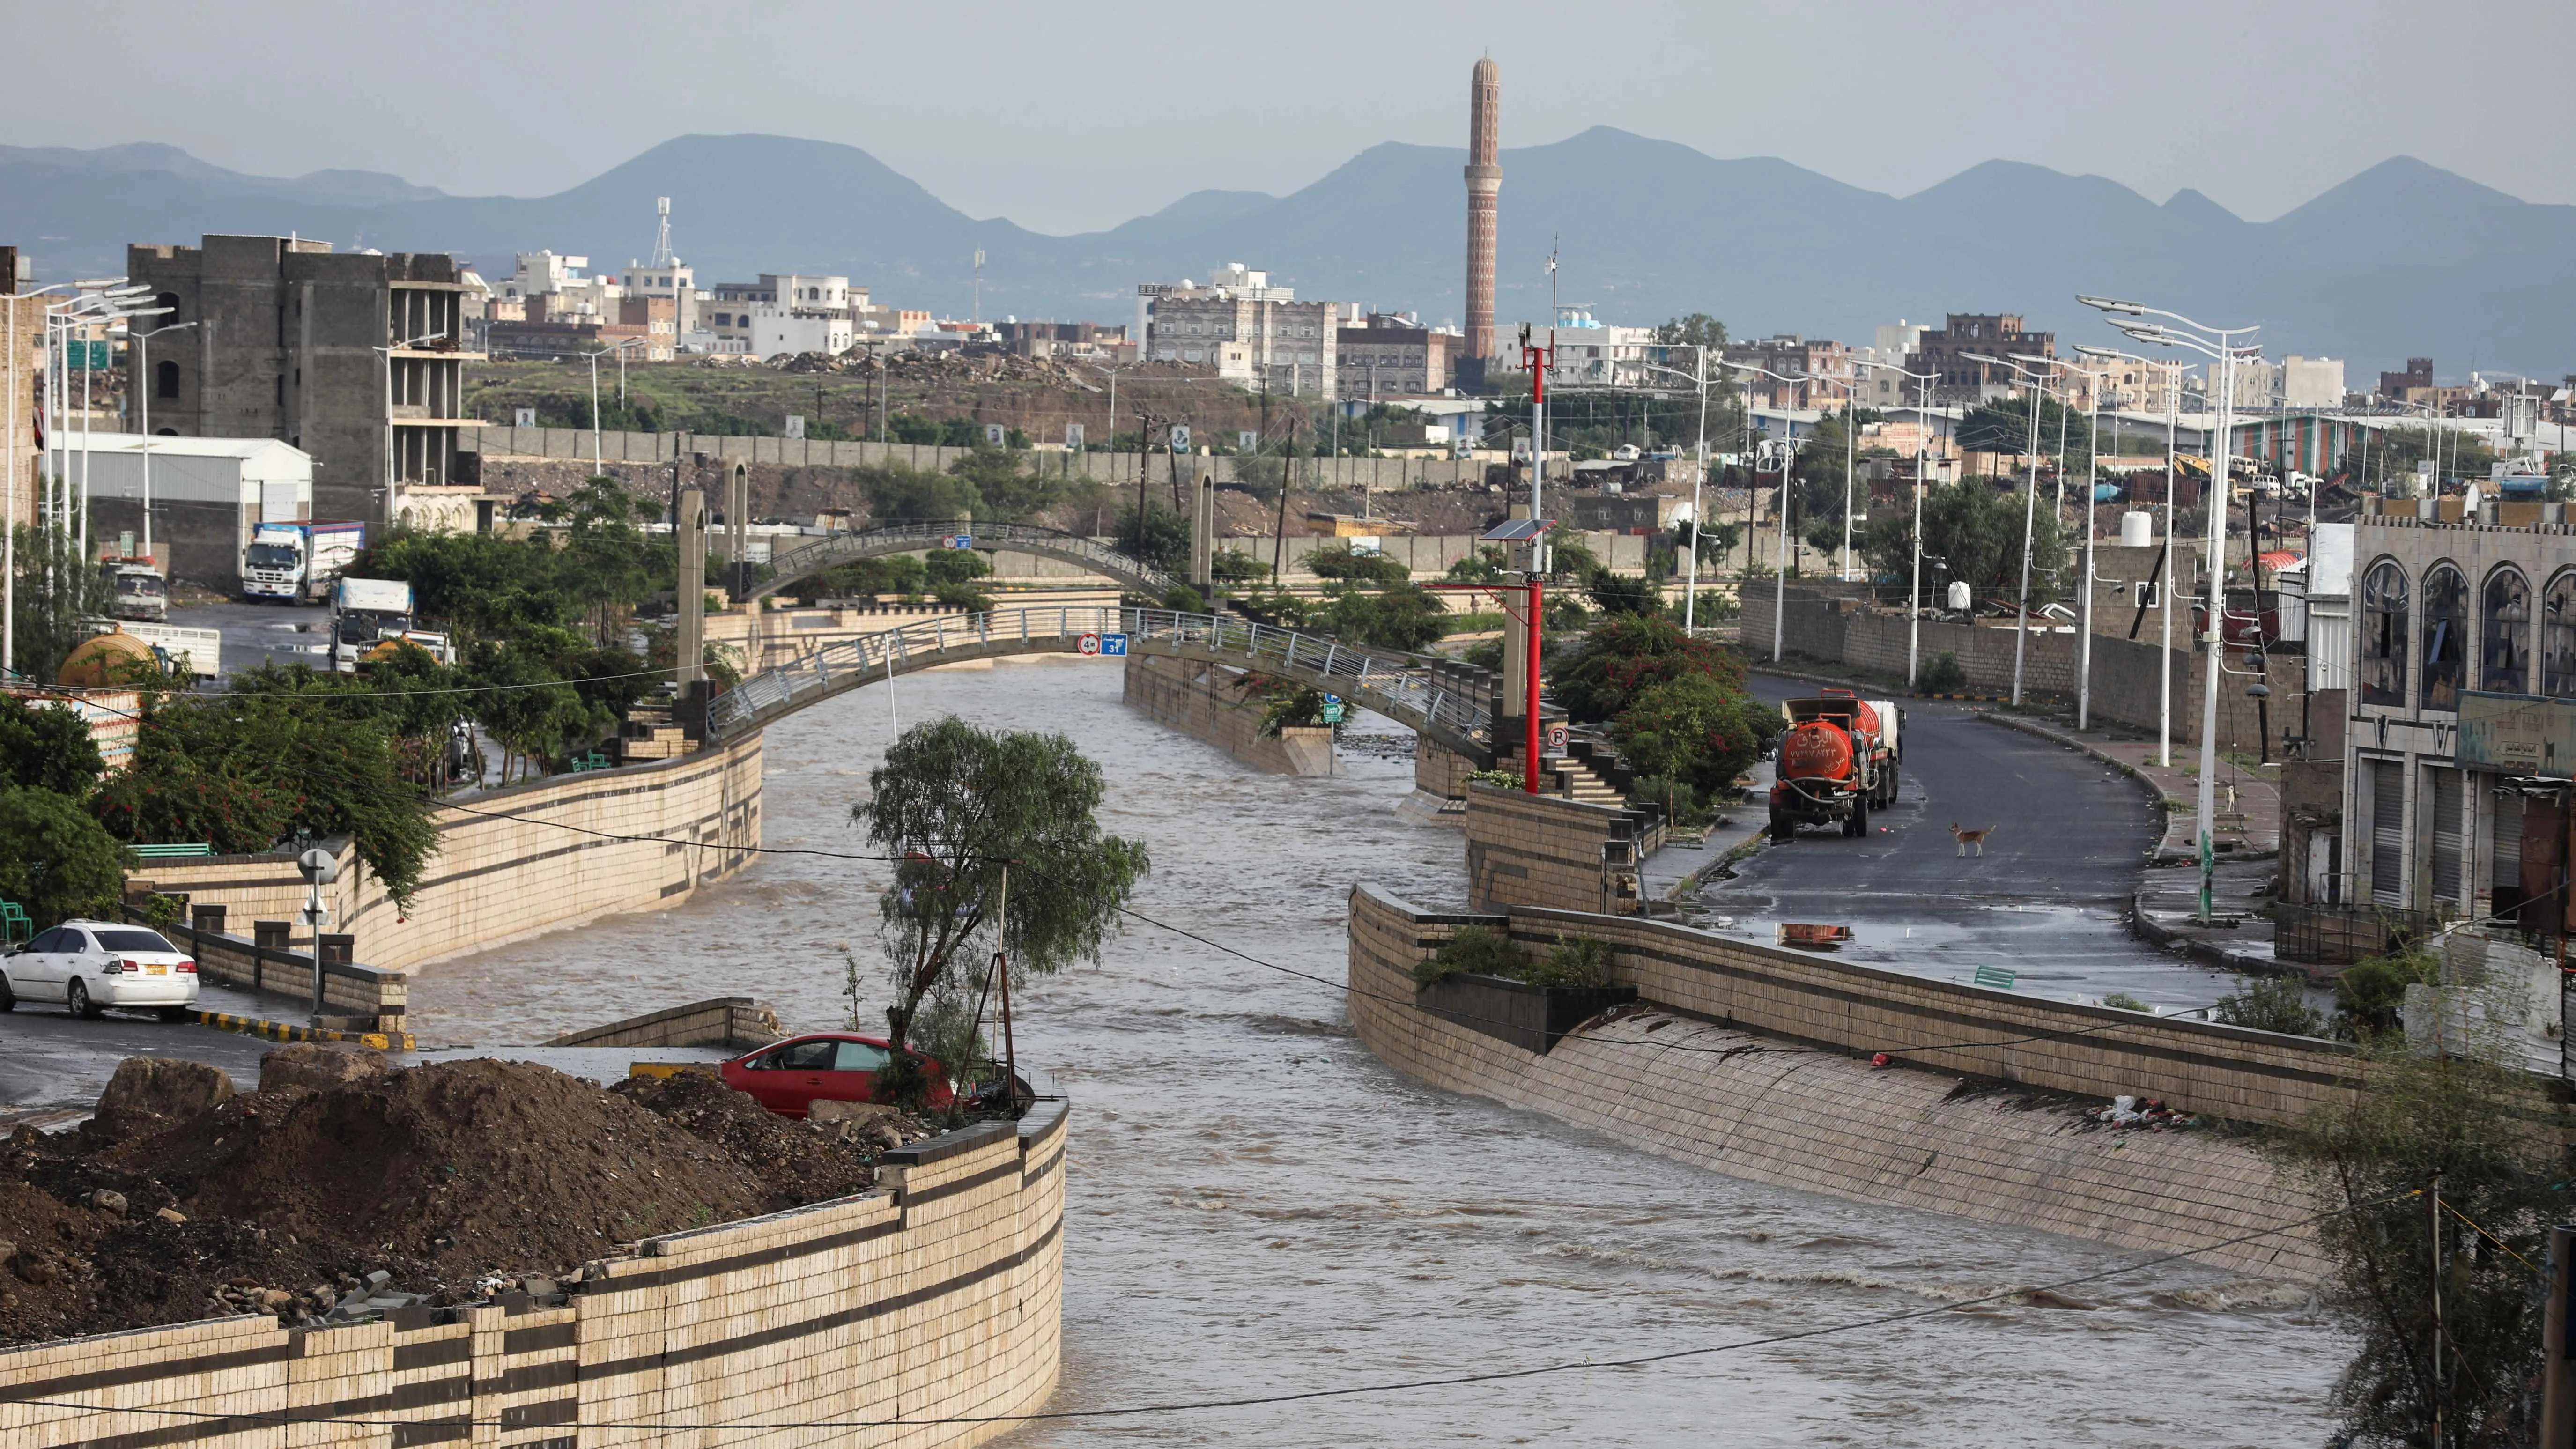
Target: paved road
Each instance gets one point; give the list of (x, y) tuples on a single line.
[(52, 1062), (255, 634), (2045, 900)]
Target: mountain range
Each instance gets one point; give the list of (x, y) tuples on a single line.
[(2404, 259)]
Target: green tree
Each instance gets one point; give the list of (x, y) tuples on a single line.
[(45, 748), (1624, 594), (958, 807), (1163, 540), (55, 858), (1402, 616), (1342, 562), (1694, 728), (1698, 329), (902, 495), (2480, 1130), (1974, 532), (57, 595), (245, 771), (954, 566), (1628, 653), (1005, 487)]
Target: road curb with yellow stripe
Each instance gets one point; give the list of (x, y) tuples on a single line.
[(383, 1041)]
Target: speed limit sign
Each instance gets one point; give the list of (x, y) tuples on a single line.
[(1088, 644)]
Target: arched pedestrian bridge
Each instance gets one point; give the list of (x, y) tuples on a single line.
[(1442, 700), (811, 556)]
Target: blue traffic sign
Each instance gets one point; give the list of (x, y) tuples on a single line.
[(958, 540), (1113, 644)]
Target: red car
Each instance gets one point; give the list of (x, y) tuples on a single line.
[(828, 1066)]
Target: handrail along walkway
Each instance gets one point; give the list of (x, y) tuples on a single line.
[(814, 555), (1435, 697)]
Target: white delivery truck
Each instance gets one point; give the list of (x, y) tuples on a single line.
[(363, 612), (297, 561), (198, 651), (140, 592)]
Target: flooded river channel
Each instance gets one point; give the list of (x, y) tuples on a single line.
[(1259, 1206)]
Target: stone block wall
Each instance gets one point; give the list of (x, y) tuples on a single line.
[(1694, 1085), (1544, 850), (1204, 701), (1850, 633), (724, 1021), (937, 1297), (516, 862)]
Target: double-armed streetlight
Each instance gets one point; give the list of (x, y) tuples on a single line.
[(2092, 491), (98, 306), (596, 466), (2029, 506), (1914, 590), (9, 478), (2216, 344), (2164, 594)]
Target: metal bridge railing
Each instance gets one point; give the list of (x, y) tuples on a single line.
[(1429, 694), (819, 553)]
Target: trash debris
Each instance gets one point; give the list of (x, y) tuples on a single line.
[(2151, 1115)]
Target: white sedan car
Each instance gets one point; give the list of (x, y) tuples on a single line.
[(89, 966)]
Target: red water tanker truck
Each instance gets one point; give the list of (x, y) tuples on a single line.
[(1837, 763)]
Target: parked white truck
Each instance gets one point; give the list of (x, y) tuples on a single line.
[(298, 561), (367, 612)]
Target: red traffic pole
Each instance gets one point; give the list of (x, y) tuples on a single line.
[(1530, 706)]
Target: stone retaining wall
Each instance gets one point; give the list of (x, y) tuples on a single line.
[(1696, 1086), (1545, 850), (1204, 701), (936, 1297), (724, 1021), (507, 866)]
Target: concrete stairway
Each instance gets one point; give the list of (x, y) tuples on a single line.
[(1578, 780)]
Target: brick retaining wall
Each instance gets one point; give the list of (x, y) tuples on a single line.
[(1201, 700), (1807, 1113), (937, 1296), (1545, 850)]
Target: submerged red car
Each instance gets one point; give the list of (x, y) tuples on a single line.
[(826, 1066)]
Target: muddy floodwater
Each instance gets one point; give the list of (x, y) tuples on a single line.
[(1259, 1206)]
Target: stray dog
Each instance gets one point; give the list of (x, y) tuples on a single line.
[(1967, 838)]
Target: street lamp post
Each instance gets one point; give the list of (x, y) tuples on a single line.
[(2164, 593), (9, 481), (1780, 559), (596, 465), (2092, 465), (2029, 511), (2213, 343), (143, 386), (1914, 587), (1690, 567)]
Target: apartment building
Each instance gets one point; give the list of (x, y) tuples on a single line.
[(1245, 330), (1965, 335), (355, 357), (2462, 720), (1824, 369), (1394, 355)]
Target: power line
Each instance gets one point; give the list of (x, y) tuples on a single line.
[(1327, 982), (1309, 1395)]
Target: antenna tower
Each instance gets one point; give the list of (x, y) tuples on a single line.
[(662, 234)]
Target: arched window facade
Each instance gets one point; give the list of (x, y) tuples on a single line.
[(2385, 601), (2446, 644), (2558, 638), (2504, 633), (165, 379)]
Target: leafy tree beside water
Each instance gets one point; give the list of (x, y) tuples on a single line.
[(958, 807)]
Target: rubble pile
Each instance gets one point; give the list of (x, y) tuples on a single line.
[(2132, 1114), (340, 1189)]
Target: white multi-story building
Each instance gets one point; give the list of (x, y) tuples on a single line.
[(732, 316), (674, 279), (1246, 330)]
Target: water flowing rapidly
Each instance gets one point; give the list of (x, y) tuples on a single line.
[(1259, 1206)]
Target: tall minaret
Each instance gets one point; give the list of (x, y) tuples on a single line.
[(1484, 182)]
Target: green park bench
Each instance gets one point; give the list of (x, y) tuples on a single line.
[(592, 761), (1996, 976), (192, 850)]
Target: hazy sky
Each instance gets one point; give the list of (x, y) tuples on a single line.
[(1075, 117)]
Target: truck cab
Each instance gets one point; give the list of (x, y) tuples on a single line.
[(1837, 763), (140, 593), (367, 612)]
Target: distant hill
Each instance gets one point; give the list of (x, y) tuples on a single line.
[(2403, 259)]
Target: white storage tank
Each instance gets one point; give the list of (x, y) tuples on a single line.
[(2137, 530)]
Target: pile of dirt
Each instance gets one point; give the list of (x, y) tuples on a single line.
[(445, 1181)]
